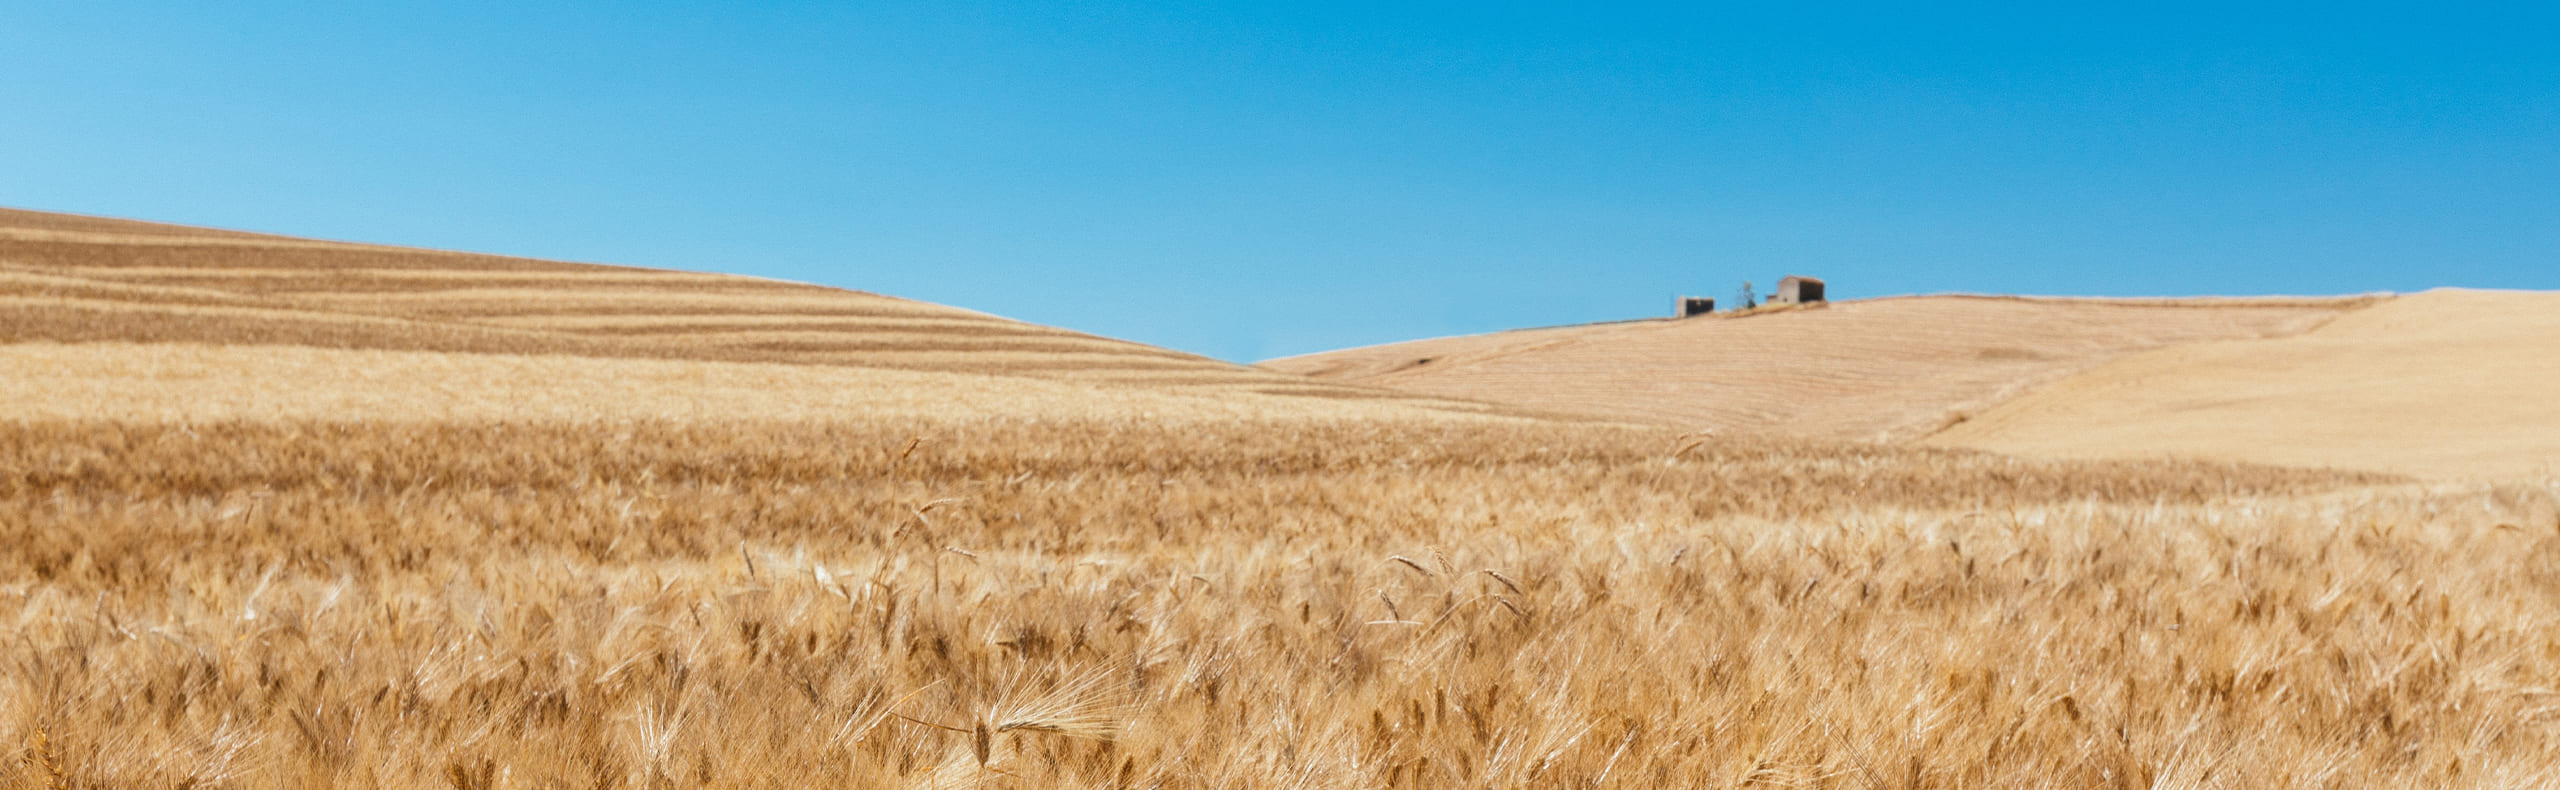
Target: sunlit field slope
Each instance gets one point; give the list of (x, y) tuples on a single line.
[(1872, 370), (2448, 383), (127, 290), (277, 513)]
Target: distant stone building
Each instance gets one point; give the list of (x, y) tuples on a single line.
[(1696, 306), (1797, 290)]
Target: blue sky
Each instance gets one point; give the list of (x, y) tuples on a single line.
[(1252, 180)]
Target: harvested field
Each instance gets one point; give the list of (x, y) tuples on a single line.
[(253, 540), (2448, 384), (627, 323), (196, 383), (1873, 370), (83, 279)]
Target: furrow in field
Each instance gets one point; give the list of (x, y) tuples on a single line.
[(852, 342), (517, 302), (204, 254), (91, 281), (649, 323), (368, 281)]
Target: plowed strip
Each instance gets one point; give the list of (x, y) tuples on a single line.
[(521, 302), (713, 322)]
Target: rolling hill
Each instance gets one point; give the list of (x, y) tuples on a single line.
[(1874, 370), (278, 513), (2447, 384), (106, 317), (2443, 384)]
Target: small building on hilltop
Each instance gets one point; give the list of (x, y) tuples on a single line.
[(1797, 289), (1691, 306)]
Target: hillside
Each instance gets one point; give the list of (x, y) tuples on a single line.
[(104, 317), (1882, 369), (278, 513), (2446, 384)]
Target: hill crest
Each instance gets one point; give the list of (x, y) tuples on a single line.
[(132, 290), (1887, 369)]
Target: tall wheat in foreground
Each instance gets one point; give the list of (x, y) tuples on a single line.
[(1277, 604)]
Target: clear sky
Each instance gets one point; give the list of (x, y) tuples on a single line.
[(1251, 180)]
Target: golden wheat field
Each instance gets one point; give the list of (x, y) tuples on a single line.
[(272, 519), (2448, 384), (1888, 369)]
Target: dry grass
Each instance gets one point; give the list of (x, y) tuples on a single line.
[(89, 280), (278, 514), (1354, 604), (190, 383), (1871, 370), (2448, 384)]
